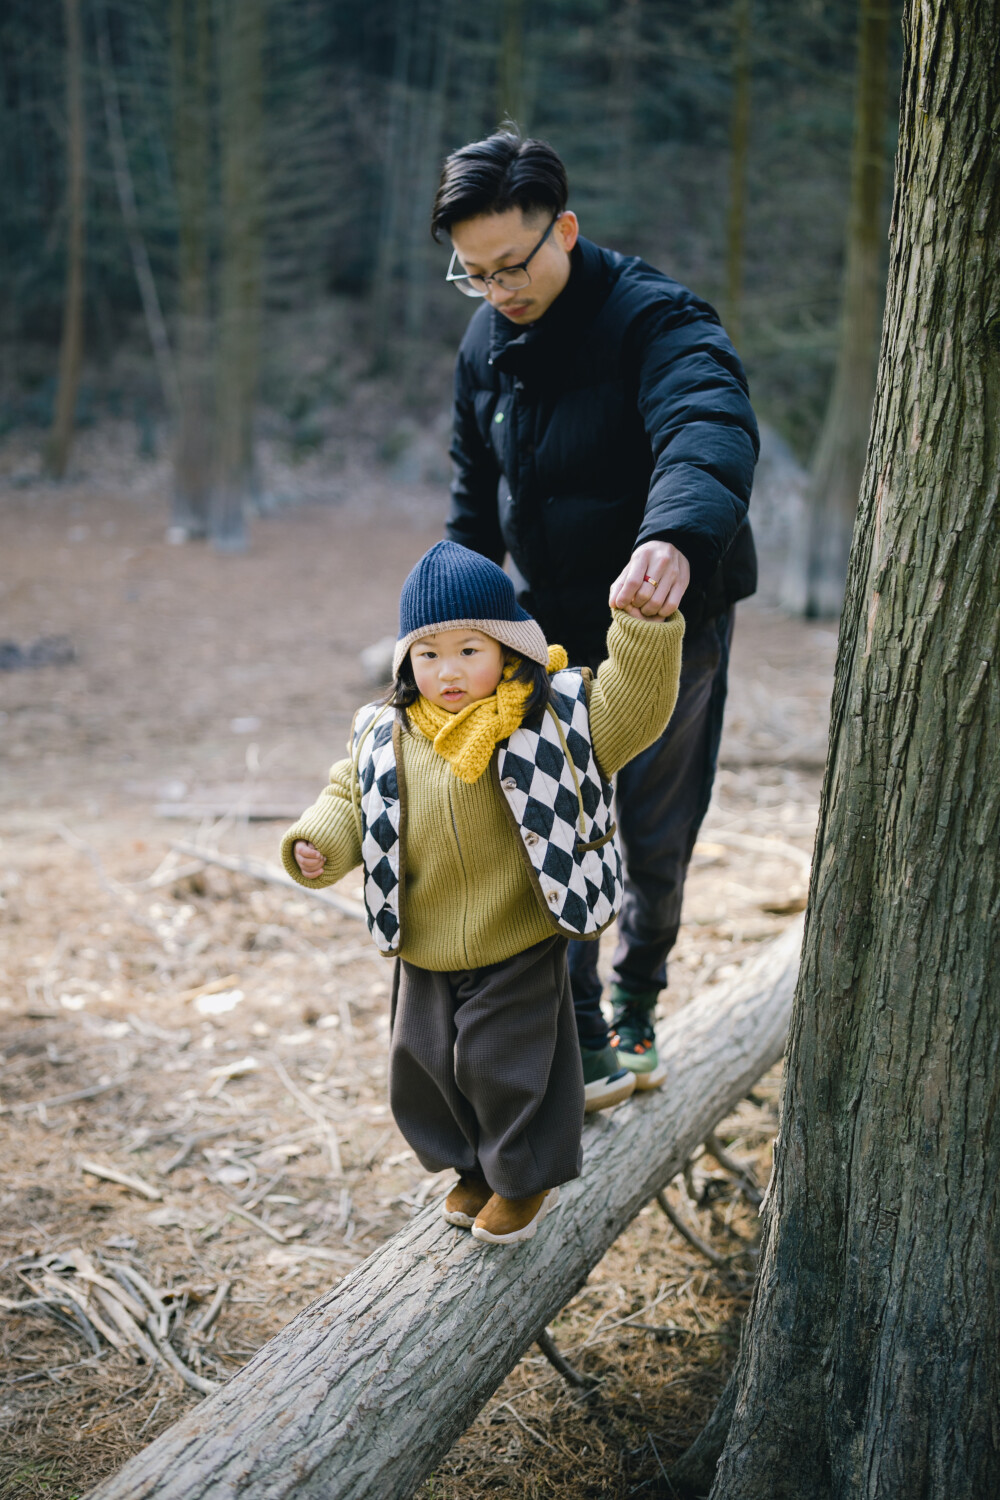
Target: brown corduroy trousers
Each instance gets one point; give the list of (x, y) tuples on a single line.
[(484, 1069)]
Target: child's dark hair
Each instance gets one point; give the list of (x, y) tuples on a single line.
[(404, 691)]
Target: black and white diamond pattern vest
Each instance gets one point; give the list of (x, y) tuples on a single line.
[(557, 799)]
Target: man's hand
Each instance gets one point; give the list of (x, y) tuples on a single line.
[(653, 584), (308, 859)]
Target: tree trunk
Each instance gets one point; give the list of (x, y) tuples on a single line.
[(739, 146), (869, 1363), (393, 186), (425, 144), (621, 130), (510, 70), (190, 57), (473, 94), (155, 325), (839, 461), (241, 48), (363, 1392), (71, 349)]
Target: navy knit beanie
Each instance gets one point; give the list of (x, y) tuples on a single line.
[(451, 588)]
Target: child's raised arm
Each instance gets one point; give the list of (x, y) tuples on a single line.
[(636, 687)]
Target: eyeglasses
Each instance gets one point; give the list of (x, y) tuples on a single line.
[(509, 278)]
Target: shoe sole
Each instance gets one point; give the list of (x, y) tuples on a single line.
[(460, 1221), (653, 1080), (526, 1232), (456, 1217), (607, 1092)]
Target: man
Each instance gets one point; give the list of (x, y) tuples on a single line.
[(612, 406)]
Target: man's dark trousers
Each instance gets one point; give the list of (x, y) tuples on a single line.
[(661, 798)]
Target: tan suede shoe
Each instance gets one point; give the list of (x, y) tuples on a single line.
[(463, 1203), (505, 1221)]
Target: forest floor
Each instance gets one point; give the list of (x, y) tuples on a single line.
[(221, 1042)]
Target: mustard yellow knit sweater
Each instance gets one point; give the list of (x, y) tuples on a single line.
[(469, 899)]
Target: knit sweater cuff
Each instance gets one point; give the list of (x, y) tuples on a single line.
[(331, 827), (636, 687)]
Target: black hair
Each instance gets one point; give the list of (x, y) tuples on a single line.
[(538, 676), (404, 691), (502, 172)]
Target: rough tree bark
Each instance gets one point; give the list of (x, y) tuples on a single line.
[(839, 460), (71, 349), (364, 1391), (190, 42), (869, 1366)]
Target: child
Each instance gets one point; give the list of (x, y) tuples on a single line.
[(478, 799)]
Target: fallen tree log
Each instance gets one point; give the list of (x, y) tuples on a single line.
[(365, 1389)]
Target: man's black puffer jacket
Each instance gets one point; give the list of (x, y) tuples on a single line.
[(621, 416)]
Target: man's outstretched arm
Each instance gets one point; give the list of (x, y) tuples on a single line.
[(694, 402)]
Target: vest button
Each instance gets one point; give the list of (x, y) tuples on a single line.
[(552, 897), (509, 784), (530, 837)]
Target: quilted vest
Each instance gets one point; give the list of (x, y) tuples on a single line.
[(554, 793)]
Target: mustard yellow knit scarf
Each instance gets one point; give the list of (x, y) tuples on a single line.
[(467, 739)]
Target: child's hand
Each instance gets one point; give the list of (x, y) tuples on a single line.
[(637, 614), (308, 859)]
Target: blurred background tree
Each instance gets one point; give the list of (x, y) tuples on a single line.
[(840, 452), (240, 51), (278, 159), (190, 52), (71, 345), (739, 148)]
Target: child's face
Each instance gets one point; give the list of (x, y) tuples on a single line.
[(456, 667)]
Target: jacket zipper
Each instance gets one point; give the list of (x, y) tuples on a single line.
[(514, 447)]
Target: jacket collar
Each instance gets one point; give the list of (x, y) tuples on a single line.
[(590, 281)]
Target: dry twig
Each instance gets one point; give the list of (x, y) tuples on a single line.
[(202, 1322), (268, 1229), (735, 1169), (315, 1112), (111, 1174), (188, 1143), (693, 1239), (77, 1096), (257, 869), (757, 845), (120, 1317), (210, 987), (559, 1362), (506, 1406)]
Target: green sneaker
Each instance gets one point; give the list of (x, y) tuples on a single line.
[(605, 1081), (632, 1029)]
